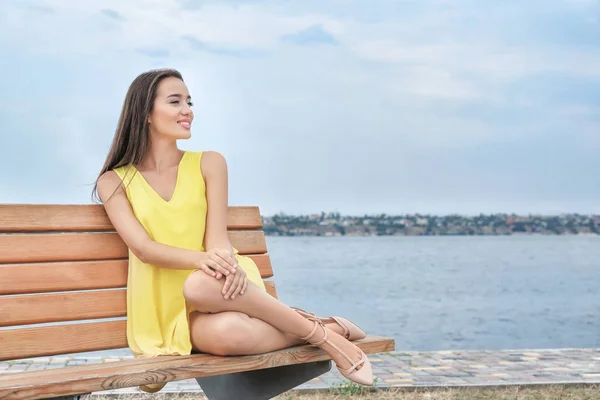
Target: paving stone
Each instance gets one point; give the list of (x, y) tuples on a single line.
[(36, 367), (17, 368)]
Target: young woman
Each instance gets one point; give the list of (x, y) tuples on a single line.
[(188, 290)]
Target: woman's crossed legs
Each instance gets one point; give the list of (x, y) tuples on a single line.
[(255, 323)]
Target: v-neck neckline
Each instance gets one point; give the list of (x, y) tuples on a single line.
[(173, 195)]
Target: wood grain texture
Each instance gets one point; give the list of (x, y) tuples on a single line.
[(109, 376), (53, 218), (62, 276), (62, 339), (80, 275), (49, 248), (248, 242), (25, 342), (60, 307), (70, 306), (270, 286), (25, 248), (18, 248), (91, 218), (370, 345)]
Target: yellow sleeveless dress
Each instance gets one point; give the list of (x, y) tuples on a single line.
[(157, 312)]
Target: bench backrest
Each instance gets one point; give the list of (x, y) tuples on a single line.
[(66, 263)]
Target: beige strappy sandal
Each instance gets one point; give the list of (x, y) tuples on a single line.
[(363, 376), (351, 330)]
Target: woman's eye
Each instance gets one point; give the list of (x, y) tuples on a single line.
[(190, 103)]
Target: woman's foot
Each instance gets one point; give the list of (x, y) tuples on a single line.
[(349, 359), (339, 325)]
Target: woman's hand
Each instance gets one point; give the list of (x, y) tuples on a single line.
[(235, 284), (217, 263)]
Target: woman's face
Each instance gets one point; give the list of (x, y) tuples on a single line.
[(172, 115)]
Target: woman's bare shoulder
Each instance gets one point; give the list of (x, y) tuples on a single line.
[(109, 184), (212, 162)]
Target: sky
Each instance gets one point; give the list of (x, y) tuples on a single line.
[(396, 106)]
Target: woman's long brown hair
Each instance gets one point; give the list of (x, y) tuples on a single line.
[(132, 136)]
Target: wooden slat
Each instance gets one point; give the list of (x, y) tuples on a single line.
[(263, 262), (91, 218), (131, 373), (248, 242), (21, 248), (62, 276), (53, 217), (80, 275), (59, 307), (62, 339), (369, 345), (244, 217), (270, 286), (70, 306)]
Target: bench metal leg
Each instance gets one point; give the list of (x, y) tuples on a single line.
[(261, 384), (71, 397)]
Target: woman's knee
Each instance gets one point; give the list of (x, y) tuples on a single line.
[(200, 288)]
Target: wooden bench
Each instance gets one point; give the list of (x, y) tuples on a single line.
[(66, 264)]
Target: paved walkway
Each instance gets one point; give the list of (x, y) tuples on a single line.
[(416, 369)]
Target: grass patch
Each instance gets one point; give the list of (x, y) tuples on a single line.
[(527, 392)]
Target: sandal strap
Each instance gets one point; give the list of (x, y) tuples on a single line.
[(314, 330), (325, 336), (312, 333), (362, 360)]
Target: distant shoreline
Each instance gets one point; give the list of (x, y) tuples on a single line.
[(334, 224), (432, 235)]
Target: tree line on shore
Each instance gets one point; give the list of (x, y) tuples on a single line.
[(334, 224)]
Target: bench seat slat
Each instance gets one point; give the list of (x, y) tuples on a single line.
[(62, 339), (62, 276), (17, 248), (80, 275), (91, 218), (115, 375), (60, 307), (26, 342), (68, 306)]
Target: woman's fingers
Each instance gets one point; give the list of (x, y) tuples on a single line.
[(240, 288), (227, 284), (207, 270), (245, 286), (234, 285), (227, 257), (218, 265)]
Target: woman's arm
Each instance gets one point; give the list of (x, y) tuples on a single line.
[(214, 170), (139, 242)]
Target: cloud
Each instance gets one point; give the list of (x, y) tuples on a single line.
[(312, 35), (220, 50), (111, 14), (154, 53), (426, 106)]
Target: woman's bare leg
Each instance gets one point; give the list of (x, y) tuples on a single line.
[(204, 293), (233, 333)]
